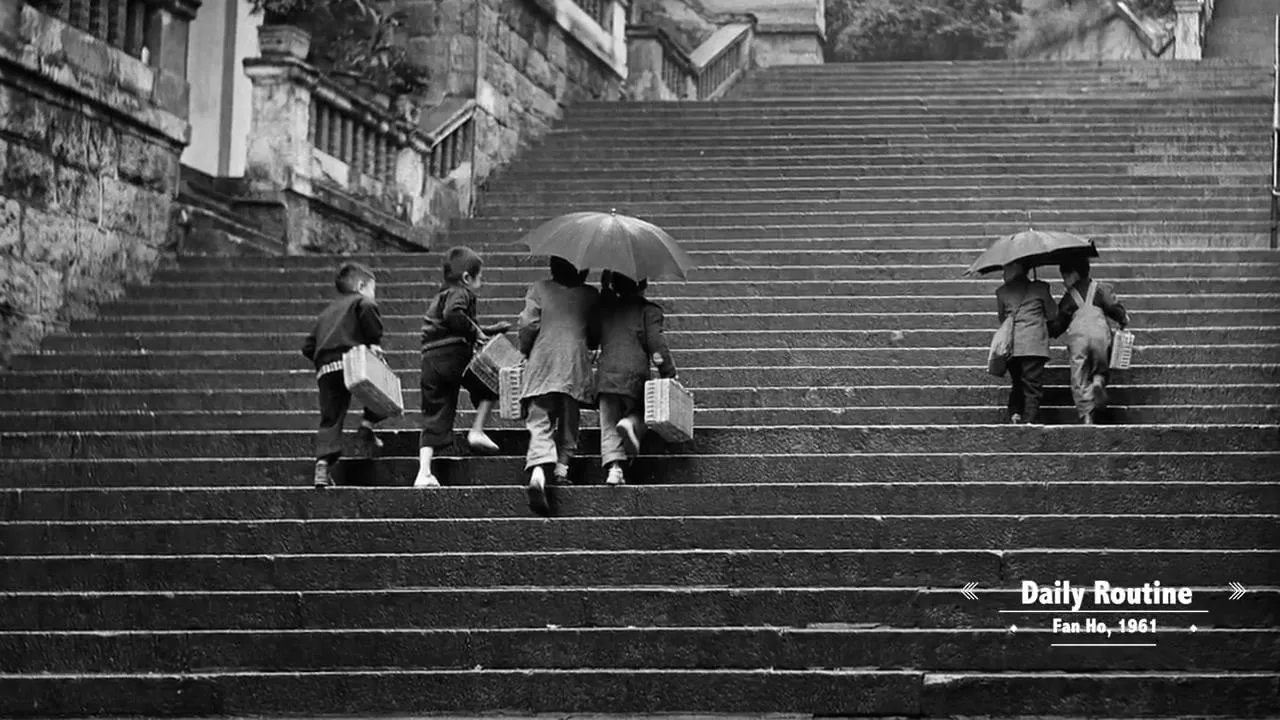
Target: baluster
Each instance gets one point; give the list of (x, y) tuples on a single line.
[(435, 161), (380, 157), (348, 138)]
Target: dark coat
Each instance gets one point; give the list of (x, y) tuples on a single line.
[(1104, 298), (351, 320), (557, 328), (450, 318), (1035, 309), (630, 339)]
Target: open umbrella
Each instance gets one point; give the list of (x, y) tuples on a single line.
[(608, 241), (1032, 248)]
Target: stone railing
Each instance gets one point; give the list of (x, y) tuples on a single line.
[(661, 70), (353, 176), (599, 25), (1193, 20), (120, 23)]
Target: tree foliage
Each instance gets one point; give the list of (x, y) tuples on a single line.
[(872, 30)]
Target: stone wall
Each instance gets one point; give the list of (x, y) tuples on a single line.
[(787, 32), (89, 145), (522, 67)]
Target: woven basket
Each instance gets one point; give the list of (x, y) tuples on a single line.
[(498, 353), (668, 410), (372, 382), (1121, 350), (510, 380)]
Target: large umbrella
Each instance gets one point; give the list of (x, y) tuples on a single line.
[(1032, 248), (608, 241)]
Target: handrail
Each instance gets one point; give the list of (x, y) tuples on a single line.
[(1275, 144), (708, 71)]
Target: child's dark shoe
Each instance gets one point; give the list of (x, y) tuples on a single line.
[(369, 438), (322, 478), (480, 442)]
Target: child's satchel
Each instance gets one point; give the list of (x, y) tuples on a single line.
[(1001, 348), (668, 410), (1121, 350), (510, 382), (372, 382)]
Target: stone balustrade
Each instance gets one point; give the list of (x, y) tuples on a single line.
[(350, 173), (661, 70)]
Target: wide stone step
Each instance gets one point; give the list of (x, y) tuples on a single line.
[(873, 162), (1165, 411), (421, 289), (971, 358), (716, 568), (55, 403), (745, 532), (507, 258), (824, 692), (518, 608), (402, 324), (290, 337), (801, 115), (732, 137), (707, 440), (674, 305), (993, 649), (743, 270), (969, 495)]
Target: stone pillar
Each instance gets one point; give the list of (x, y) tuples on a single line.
[(167, 37), (1187, 40), (279, 147), (644, 64)]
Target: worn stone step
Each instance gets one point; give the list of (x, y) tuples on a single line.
[(853, 181), (718, 289), (396, 325), (825, 692), (880, 162), (55, 402), (689, 532), (1252, 172), (511, 257), (994, 649), (466, 470), (1122, 139), (801, 115), (286, 358), (785, 568), (1134, 237), (713, 440), (289, 338), (910, 128), (795, 413), (901, 494), (465, 608), (673, 304), (744, 270), (783, 110)]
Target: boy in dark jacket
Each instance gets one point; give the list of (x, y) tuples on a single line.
[(631, 337), (449, 335), (351, 320)]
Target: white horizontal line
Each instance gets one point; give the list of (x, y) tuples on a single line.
[(1102, 645), (1128, 612)]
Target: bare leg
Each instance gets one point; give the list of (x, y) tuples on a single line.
[(477, 438), (425, 478)]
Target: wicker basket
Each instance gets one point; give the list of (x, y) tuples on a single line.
[(1121, 350), (668, 410), (372, 382), (498, 353), (510, 381)]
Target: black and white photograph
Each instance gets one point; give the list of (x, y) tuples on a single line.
[(640, 359)]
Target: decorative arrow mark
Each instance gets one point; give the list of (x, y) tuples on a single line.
[(1238, 590), (967, 591)]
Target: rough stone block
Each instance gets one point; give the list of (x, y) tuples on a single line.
[(540, 71), (143, 162), (50, 239), (519, 53), (29, 176), (78, 194), (24, 117), (124, 208), (557, 49), (10, 225), (171, 93), (419, 17)]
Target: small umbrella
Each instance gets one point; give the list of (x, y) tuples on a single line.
[(1032, 248), (608, 241)]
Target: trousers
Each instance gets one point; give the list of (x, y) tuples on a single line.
[(553, 421), (335, 400), (1027, 386), (612, 409)]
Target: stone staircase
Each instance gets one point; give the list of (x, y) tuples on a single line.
[(164, 555)]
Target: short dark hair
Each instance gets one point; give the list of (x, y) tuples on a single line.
[(1079, 266), (566, 273), (625, 286), (460, 261), (350, 275)]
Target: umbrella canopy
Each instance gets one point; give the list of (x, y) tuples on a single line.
[(608, 241), (1032, 248)]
